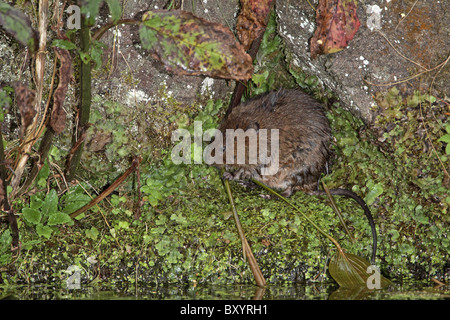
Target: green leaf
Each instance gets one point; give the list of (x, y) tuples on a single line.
[(44, 231), (92, 233), (58, 218), (17, 24), (188, 45), (178, 218), (27, 245), (96, 53), (375, 192), (90, 9), (64, 44), (260, 78), (445, 138), (86, 58), (163, 246), (43, 175), (50, 205), (5, 239), (32, 216), (36, 202), (115, 9), (5, 102), (74, 201)]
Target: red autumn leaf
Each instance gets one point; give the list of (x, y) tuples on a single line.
[(251, 22), (337, 24)]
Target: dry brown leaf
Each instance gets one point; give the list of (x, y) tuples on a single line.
[(337, 24), (25, 102), (251, 22)]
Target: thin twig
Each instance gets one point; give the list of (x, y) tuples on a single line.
[(399, 53), (401, 20), (408, 78), (108, 190)]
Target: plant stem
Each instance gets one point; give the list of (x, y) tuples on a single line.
[(241, 86), (40, 59), (259, 278), (85, 101), (99, 33), (3, 190)]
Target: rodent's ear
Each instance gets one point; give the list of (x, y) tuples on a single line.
[(253, 125)]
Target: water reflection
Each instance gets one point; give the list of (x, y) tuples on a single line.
[(314, 291)]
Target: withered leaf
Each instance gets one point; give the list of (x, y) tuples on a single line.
[(337, 24), (189, 45), (25, 102), (351, 271), (58, 116), (17, 24), (252, 20)]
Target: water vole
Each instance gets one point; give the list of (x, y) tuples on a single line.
[(304, 136), (302, 141)]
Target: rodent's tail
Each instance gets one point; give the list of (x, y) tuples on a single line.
[(354, 196)]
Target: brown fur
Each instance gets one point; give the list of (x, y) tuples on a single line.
[(304, 137)]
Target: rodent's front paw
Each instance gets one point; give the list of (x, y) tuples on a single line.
[(228, 175)]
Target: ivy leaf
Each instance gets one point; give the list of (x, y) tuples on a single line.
[(17, 24), (188, 45)]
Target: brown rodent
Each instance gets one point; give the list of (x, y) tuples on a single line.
[(304, 136)]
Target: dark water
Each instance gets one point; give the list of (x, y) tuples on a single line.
[(310, 291)]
